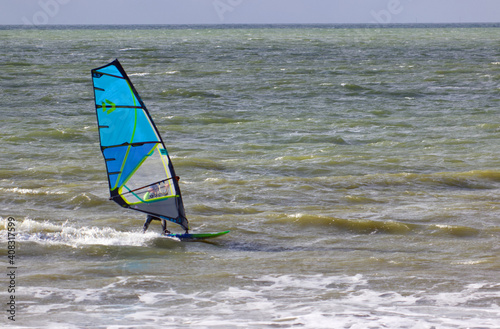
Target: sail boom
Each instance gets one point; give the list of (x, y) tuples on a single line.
[(137, 189)]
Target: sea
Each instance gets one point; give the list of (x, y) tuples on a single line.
[(357, 168)]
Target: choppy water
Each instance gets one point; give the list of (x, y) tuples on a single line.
[(357, 169)]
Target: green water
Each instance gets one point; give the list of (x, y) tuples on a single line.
[(357, 169)]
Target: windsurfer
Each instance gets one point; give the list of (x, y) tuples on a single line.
[(154, 192)]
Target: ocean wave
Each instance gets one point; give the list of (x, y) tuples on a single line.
[(205, 210), (355, 226), (353, 87), (475, 179), (30, 191), (188, 93), (393, 227), (57, 134), (267, 301), (49, 234), (199, 163)]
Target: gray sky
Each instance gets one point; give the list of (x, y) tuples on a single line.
[(43, 12)]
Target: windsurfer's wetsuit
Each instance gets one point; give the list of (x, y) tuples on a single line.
[(151, 218)]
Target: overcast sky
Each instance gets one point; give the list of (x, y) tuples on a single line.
[(43, 12)]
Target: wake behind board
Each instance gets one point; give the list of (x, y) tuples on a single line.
[(196, 236)]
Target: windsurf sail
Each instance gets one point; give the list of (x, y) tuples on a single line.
[(140, 174)]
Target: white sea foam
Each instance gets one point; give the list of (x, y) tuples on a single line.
[(315, 301), (28, 191), (64, 234)]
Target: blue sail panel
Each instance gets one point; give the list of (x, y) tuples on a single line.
[(140, 173), (122, 161)]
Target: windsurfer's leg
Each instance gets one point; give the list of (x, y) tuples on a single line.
[(146, 223), (164, 226)]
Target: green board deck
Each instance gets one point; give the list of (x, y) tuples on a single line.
[(196, 236)]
